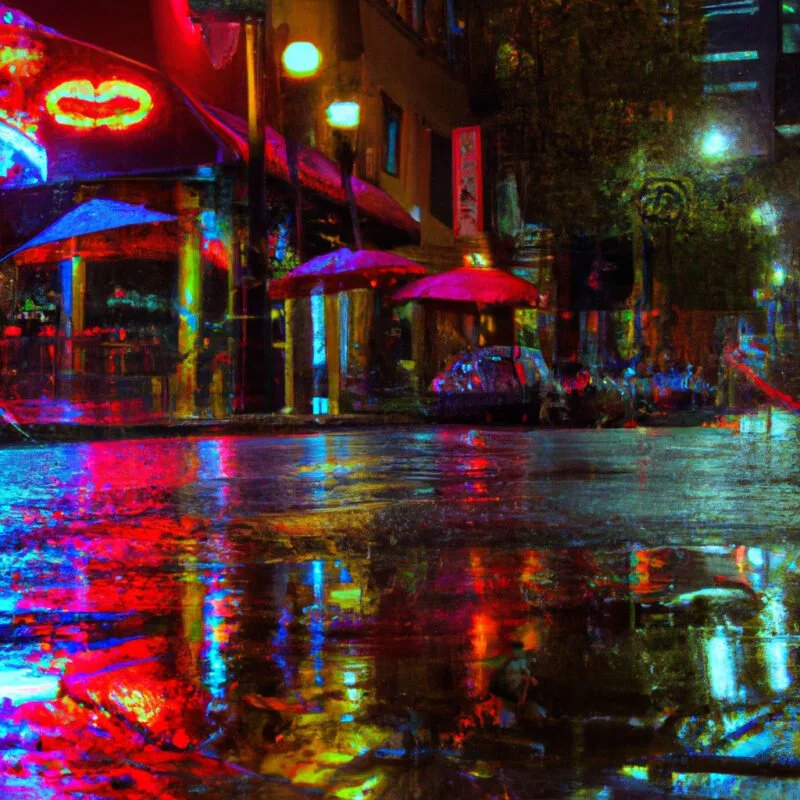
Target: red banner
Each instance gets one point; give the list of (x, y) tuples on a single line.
[(467, 182)]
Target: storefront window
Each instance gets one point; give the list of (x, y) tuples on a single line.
[(791, 38), (392, 122)]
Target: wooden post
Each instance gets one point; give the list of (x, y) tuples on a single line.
[(290, 312), (333, 347)]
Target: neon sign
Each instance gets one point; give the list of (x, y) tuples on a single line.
[(115, 104)]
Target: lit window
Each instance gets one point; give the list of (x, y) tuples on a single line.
[(392, 124), (791, 38)]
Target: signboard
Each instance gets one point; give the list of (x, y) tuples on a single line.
[(467, 182)]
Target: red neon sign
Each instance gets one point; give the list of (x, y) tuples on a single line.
[(115, 104)]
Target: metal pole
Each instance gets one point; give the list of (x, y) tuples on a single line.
[(258, 371), (345, 152)]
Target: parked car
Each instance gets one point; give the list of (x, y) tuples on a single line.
[(591, 396), (512, 384)]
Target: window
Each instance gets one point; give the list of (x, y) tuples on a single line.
[(392, 124), (791, 38)]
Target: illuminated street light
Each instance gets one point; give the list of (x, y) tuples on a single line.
[(301, 60), (765, 215), (716, 143), (344, 115)]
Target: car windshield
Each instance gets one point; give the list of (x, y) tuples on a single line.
[(498, 375)]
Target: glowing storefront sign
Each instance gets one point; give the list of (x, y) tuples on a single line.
[(114, 104), (467, 182)]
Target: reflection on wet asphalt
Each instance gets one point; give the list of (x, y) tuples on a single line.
[(325, 612)]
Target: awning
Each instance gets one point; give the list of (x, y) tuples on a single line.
[(93, 216), (317, 173), (75, 112)]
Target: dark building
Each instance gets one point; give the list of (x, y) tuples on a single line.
[(742, 68)]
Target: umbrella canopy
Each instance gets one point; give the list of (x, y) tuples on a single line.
[(92, 217), (482, 285), (345, 269)]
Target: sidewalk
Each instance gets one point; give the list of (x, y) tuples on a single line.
[(246, 424), (53, 427)]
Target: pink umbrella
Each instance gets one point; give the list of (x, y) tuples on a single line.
[(484, 286), (345, 269)]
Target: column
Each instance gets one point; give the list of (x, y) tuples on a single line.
[(333, 345), (190, 285), (289, 307), (418, 353), (73, 306)]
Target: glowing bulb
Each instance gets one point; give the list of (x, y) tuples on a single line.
[(301, 59), (765, 215), (344, 115), (715, 144), (778, 275)]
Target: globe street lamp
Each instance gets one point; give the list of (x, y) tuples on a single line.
[(301, 60), (345, 117), (716, 144)]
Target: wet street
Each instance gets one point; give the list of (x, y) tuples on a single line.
[(323, 614)]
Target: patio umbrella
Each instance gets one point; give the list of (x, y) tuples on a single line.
[(93, 216), (484, 286), (345, 269)]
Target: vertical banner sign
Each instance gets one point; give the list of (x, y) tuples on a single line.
[(467, 182)]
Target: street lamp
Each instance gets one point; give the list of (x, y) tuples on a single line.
[(301, 60), (255, 363), (344, 116), (716, 143)]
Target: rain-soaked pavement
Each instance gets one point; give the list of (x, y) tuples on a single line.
[(322, 614)]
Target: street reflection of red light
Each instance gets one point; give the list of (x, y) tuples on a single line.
[(484, 631), (531, 565), (477, 573), (135, 682), (529, 636)]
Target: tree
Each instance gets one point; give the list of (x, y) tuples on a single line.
[(590, 92)]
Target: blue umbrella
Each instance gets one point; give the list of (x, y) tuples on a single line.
[(93, 216)]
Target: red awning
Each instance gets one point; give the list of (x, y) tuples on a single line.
[(317, 173), (72, 111)]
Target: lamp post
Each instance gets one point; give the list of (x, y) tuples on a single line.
[(301, 62), (345, 117), (255, 366)]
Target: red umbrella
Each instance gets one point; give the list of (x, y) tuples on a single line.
[(485, 286), (345, 269)]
